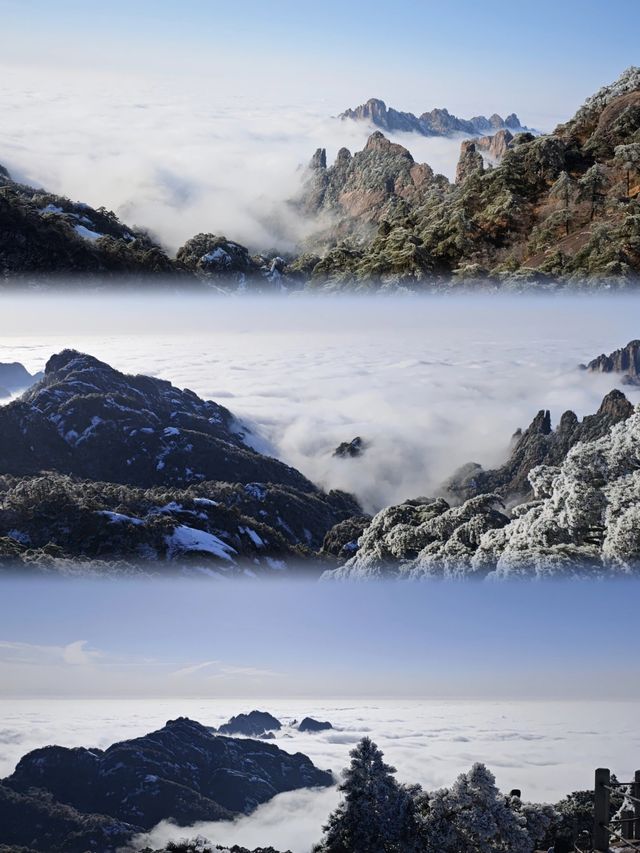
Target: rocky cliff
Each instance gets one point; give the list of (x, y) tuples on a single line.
[(539, 444), (625, 361), (580, 518), (437, 122)]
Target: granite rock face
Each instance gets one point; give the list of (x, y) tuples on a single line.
[(526, 212), (625, 361), (364, 186), (437, 122), (539, 444), (181, 772)]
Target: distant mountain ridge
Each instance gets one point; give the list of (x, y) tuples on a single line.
[(437, 122)]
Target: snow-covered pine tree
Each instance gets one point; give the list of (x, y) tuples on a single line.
[(376, 814), (474, 817)]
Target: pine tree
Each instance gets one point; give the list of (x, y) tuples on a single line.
[(474, 817), (628, 157), (591, 187), (564, 189), (376, 814)]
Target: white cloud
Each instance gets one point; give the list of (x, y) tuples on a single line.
[(545, 748), (172, 157), (430, 383)]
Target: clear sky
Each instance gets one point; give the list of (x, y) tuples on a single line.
[(161, 638), (540, 58)]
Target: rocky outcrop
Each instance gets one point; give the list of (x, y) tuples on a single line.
[(469, 162), (364, 186), (437, 122), (225, 262), (253, 724), (539, 444), (311, 725), (625, 361), (182, 773), (582, 520), (145, 472), (350, 449)]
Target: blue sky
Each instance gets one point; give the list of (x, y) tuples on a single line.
[(293, 639), (540, 59)]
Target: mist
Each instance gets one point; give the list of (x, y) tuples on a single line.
[(178, 157), (428, 383)]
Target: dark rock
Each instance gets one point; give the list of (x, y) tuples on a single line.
[(181, 773), (253, 724), (353, 448), (625, 361), (311, 725), (539, 444)]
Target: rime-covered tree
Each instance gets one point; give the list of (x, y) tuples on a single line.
[(564, 189), (474, 817), (591, 188), (376, 814), (628, 158)]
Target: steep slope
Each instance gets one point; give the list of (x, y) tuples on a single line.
[(181, 772), (437, 122), (139, 470)]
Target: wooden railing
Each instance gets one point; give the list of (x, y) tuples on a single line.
[(625, 830)]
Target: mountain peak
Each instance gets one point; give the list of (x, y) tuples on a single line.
[(436, 122)]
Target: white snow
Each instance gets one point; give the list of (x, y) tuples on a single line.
[(190, 539), (87, 233)]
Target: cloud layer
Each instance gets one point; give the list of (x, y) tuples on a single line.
[(173, 155), (546, 749), (429, 383)]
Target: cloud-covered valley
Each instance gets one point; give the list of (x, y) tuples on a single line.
[(177, 157), (430, 384)]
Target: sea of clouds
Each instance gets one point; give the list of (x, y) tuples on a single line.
[(177, 156), (545, 748), (429, 383)]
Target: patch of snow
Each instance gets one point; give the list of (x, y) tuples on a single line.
[(185, 539), (87, 233)]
